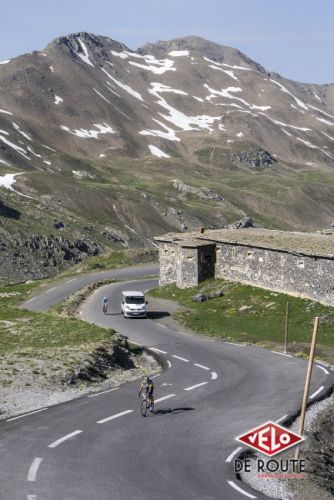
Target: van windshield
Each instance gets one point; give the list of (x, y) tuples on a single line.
[(134, 300)]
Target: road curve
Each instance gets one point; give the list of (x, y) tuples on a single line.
[(101, 448)]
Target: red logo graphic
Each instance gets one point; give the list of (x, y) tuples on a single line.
[(270, 439)]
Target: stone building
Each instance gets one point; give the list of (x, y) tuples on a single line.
[(295, 263)]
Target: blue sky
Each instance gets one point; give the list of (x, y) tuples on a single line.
[(292, 37)]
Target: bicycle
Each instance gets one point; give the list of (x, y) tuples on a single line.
[(105, 308), (146, 404)]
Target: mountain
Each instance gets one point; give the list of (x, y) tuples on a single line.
[(101, 146)]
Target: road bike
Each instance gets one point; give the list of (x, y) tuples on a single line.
[(146, 404)]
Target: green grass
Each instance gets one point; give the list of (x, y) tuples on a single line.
[(23, 332), (248, 314)]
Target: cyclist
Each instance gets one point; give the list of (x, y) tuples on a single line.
[(105, 303), (147, 386)]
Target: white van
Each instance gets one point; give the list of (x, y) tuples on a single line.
[(134, 305)]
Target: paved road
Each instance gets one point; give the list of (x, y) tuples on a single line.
[(99, 447)]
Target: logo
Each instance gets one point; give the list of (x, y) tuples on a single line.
[(270, 439)]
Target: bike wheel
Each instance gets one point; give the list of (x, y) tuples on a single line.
[(143, 407)]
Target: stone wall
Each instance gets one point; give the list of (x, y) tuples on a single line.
[(187, 272), (278, 270), (311, 277), (168, 258)]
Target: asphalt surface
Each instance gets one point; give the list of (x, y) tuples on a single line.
[(102, 448)]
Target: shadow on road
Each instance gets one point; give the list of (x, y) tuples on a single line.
[(173, 411), (157, 314)]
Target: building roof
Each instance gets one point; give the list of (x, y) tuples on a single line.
[(315, 244)]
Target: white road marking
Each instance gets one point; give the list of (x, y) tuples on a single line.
[(201, 366), (163, 398), (32, 472), (64, 438), (181, 359), (102, 392), (323, 369), (213, 375), (30, 300), (50, 289), (233, 454), (26, 414), (155, 376), (160, 324), (236, 487), (281, 419), (69, 281), (114, 416), (212, 340), (183, 333), (81, 313), (317, 392), (282, 354), (157, 350), (194, 386), (234, 343), (31, 497), (169, 363), (135, 343)]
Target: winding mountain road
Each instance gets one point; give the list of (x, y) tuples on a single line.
[(99, 447)]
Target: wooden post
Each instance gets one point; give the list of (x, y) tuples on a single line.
[(307, 381), (286, 327)]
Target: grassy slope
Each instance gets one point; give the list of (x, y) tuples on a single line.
[(248, 314), (49, 346), (284, 197)]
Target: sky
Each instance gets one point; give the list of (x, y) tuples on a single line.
[(292, 37)]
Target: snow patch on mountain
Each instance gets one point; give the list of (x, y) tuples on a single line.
[(18, 149), (228, 72), (170, 134), (323, 120), (228, 93), (176, 117), (122, 55), (8, 180), (24, 134), (328, 136), (178, 53), (58, 99), (90, 134), (156, 66), (157, 152), (125, 87), (5, 62), (84, 57), (284, 89), (33, 152), (226, 65)]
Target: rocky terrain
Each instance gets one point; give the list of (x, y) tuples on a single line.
[(102, 146)]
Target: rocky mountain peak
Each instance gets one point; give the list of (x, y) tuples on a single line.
[(201, 47)]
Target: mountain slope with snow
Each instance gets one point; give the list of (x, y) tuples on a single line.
[(98, 132)]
